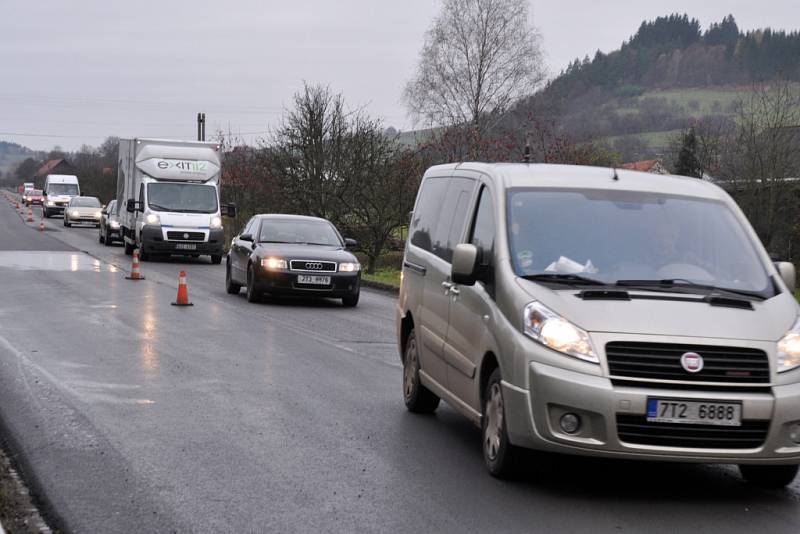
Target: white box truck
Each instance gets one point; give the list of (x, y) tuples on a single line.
[(58, 191), (168, 198)]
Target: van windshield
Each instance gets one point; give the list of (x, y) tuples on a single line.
[(62, 189), (184, 198), (626, 235)]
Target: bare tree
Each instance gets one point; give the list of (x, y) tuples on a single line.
[(479, 57), (762, 162)]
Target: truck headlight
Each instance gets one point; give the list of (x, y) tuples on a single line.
[(273, 264), (113, 224), (551, 330), (216, 222), (152, 218), (349, 267), (789, 349)]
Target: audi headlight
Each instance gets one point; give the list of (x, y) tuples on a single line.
[(113, 224), (273, 264), (216, 222), (152, 218), (789, 349), (349, 267), (553, 331)]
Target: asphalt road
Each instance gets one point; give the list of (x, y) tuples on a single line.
[(128, 414)]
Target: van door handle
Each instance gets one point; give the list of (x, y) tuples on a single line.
[(454, 290), (448, 286)]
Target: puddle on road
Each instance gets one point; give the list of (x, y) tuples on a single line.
[(24, 260)]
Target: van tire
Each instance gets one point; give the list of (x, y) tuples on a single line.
[(769, 476), (128, 248), (499, 455), (417, 397)]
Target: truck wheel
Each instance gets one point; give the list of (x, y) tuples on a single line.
[(769, 476), (144, 256), (128, 248), (499, 454), (417, 397), (216, 259)]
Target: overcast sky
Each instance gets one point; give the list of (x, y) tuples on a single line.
[(76, 72)]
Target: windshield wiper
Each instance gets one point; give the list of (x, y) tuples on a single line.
[(672, 283), (159, 207), (561, 278), (284, 242)]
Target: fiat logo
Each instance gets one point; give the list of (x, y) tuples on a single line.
[(692, 362), (186, 236), (313, 266)]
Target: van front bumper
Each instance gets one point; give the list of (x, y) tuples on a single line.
[(154, 241), (534, 414)]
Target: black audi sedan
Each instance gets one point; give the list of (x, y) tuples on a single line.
[(293, 255)]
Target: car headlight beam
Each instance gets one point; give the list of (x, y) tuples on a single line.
[(349, 267), (215, 222), (553, 331), (273, 264)]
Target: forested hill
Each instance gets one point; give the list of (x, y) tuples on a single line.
[(672, 52)]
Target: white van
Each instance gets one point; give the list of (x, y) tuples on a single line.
[(598, 312), (59, 189)]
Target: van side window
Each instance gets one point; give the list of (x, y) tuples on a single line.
[(426, 213), (483, 228), (453, 218)]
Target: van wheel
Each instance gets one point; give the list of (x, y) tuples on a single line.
[(128, 248), (230, 286), (499, 454), (769, 476), (417, 397)]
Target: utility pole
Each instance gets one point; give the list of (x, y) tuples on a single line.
[(201, 126)]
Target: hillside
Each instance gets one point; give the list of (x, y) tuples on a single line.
[(667, 75), (11, 154)]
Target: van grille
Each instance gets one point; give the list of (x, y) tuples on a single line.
[(636, 429), (662, 361), (186, 236)]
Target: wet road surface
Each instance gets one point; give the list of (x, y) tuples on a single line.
[(129, 414)]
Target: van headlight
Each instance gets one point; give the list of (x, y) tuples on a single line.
[(152, 218), (789, 349), (216, 222), (551, 330)]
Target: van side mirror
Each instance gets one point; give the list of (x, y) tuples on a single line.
[(787, 272), (130, 205), (465, 259), (228, 210)]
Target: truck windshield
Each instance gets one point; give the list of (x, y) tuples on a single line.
[(185, 198), (610, 236), (62, 189)]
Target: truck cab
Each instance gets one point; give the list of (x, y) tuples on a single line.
[(168, 198)]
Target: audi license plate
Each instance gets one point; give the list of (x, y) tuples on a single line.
[(186, 246), (313, 280), (694, 412)]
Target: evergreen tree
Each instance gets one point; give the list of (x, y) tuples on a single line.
[(687, 164)]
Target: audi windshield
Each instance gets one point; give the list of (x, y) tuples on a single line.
[(300, 232), (622, 236)]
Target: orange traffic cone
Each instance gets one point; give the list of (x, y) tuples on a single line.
[(183, 291), (30, 214), (135, 275), (41, 225)]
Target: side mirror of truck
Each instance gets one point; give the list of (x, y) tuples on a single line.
[(228, 210), (130, 205)]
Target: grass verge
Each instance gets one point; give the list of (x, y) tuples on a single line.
[(384, 276)]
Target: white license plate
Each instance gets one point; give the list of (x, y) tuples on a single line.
[(694, 412), (313, 280), (186, 246)]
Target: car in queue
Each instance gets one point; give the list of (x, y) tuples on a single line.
[(83, 210), (34, 197), (109, 230), (600, 312), (293, 255)]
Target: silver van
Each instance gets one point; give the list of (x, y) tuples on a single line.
[(600, 312)]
